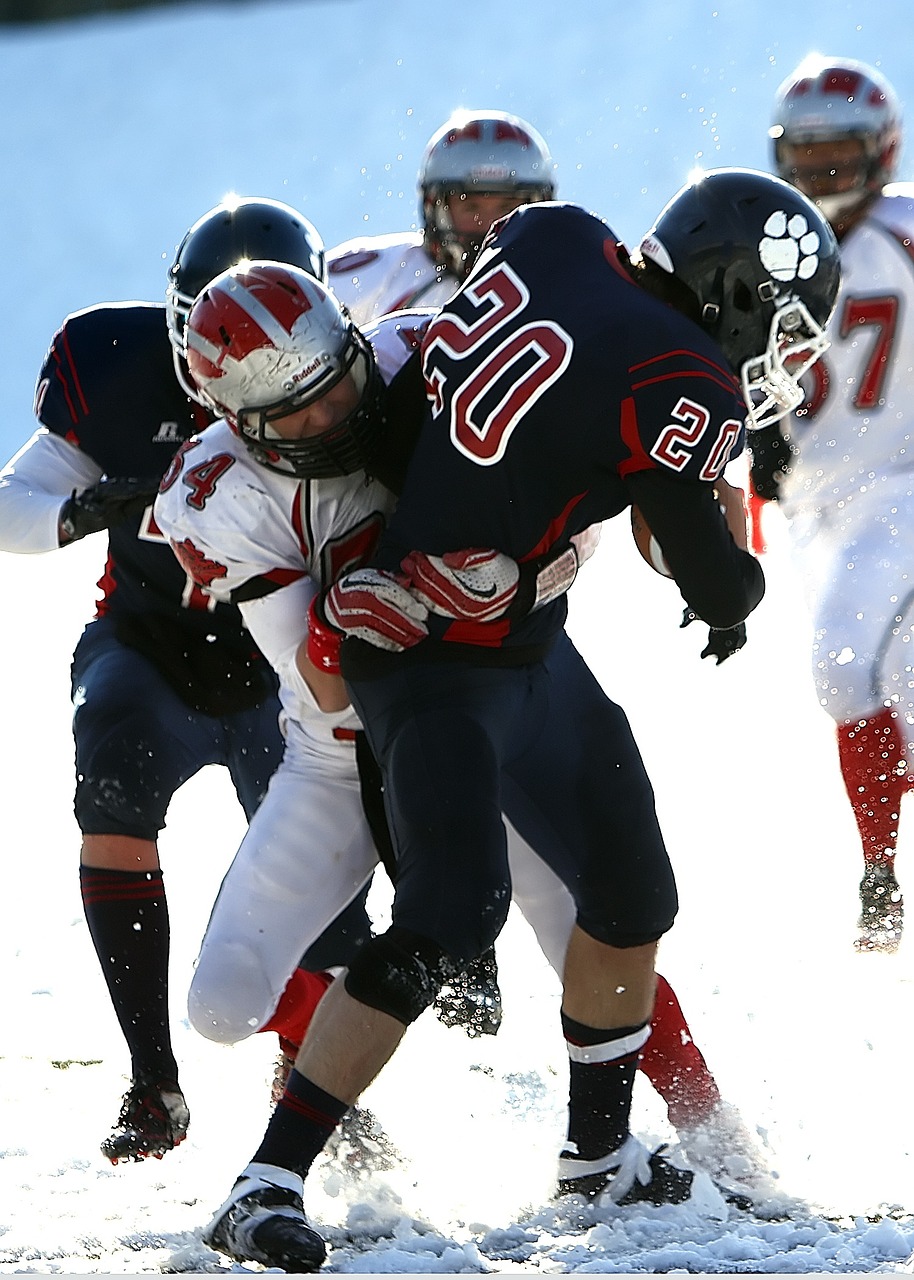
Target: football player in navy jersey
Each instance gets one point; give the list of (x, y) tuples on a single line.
[(164, 680), (566, 382)]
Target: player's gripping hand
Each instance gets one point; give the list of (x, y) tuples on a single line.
[(372, 605), (722, 641), (476, 585), (104, 504)]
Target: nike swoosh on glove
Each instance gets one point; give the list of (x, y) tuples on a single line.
[(477, 585), (376, 606)]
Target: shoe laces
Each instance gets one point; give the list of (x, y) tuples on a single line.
[(628, 1164)]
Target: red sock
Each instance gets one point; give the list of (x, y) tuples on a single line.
[(302, 995), (674, 1064), (872, 753)]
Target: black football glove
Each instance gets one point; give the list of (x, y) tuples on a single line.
[(722, 641), (105, 504)]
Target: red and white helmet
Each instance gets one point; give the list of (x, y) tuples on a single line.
[(478, 152), (264, 340), (828, 100)]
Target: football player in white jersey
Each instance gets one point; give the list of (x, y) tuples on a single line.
[(477, 167), (841, 469)]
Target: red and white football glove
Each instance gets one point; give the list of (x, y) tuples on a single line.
[(374, 606), (476, 585)]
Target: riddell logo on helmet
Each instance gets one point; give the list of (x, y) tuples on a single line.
[(302, 375), (491, 173)]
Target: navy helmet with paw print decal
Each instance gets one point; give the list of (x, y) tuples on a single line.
[(755, 263)]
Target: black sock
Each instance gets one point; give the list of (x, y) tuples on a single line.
[(302, 1122), (602, 1073), (128, 919)]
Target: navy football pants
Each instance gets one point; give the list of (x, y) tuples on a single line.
[(459, 744), (137, 742)]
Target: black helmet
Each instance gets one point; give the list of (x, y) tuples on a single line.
[(235, 231), (757, 265)]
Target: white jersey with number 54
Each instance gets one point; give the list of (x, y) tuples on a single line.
[(268, 542)]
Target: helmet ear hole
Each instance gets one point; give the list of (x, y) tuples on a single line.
[(742, 297)]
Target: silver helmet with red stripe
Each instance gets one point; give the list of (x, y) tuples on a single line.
[(478, 153), (836, 133), (264, 341)]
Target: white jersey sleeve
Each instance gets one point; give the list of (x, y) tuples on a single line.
[(34, 485), (395, 337), (373, 275)]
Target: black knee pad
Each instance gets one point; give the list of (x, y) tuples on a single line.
[(400, 973)]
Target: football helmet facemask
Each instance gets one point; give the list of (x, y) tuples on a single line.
[(265, 340), (237, 230), (756, 265), (473, 153), (828, 102)]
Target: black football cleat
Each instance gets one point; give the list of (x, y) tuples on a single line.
[(153, 1119), (881, 912), (630, 1175), (263, 1220)]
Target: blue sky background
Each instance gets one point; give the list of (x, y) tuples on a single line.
[(116, 133)]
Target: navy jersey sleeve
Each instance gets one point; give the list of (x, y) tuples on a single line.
[(683, 413), (108, 386), (718, 580), (60, 402)]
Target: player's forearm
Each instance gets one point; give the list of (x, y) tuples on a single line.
[(278, 623), (34, 485), (719, 581), (28, 518)]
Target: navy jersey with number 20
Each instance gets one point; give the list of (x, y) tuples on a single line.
[(553, 377)]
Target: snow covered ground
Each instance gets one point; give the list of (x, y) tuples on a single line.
[(115, 135)]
